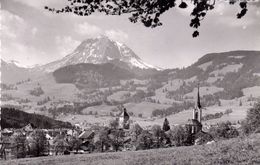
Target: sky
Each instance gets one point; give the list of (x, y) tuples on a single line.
[(32, 35)]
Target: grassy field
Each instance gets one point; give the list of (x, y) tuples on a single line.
[(239, 151)]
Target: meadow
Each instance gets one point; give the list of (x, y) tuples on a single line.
[(238, 151)]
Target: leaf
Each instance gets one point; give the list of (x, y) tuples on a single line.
[(242, 13), (242, 4), (183, 5), (195, 34), (203, 14)]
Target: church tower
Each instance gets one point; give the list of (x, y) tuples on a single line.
[(124, 119), (197, 112)]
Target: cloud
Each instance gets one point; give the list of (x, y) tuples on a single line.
[(11, 25), (65, 44), (117, 35), (34, 31), (39, 4), (26, 55), (88, 29), (14, 34), (233, 22)]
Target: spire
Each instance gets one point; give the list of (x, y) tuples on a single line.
[(198, 105)]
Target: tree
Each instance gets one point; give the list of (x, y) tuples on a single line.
[(37, 143), (144, 140), (158, 135), (114, 124), (135, 131), (240, 103), (147, 12), (179, 136), (117, 138), (166, 126), (102, 139), (19, 144), (61, 144), (74, 143), (228, 111), (252, 122)]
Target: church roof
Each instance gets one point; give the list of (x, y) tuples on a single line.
[(198, 105), (86, 135)]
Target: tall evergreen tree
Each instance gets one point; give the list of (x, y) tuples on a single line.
[(166, 126)]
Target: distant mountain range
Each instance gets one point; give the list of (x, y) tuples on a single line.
[(99, 50)]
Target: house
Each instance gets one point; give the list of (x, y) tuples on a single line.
[(86, 135), (29, 127)]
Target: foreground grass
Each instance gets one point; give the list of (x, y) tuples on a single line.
[(234, 151)]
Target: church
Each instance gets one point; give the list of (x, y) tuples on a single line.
[(194, 125), (124, 122)]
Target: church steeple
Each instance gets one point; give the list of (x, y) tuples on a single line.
[(198, 105), (197, 112)]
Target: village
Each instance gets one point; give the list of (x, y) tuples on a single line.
[(119, 135)]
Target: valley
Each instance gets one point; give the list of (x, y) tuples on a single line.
[(88, 86)]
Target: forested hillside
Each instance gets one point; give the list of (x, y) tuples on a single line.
[(13, 118)]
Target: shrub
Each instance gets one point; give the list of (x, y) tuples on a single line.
[(144, 140), (228, 111), (224, 131)]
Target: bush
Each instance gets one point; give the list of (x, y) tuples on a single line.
[(224, 131), (144, 140), (212, 116)]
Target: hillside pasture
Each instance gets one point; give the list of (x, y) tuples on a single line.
[(227, 69), (204, 91), (254, 91)]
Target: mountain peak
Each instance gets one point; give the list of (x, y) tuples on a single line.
[(97, 51)]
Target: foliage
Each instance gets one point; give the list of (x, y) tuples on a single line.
[(89, 76), (179, 136), (242, 151), (166, 125), (19, 144), (74, 143), (37, 91), (158, 135), (252, 122), (114, 124), (228, 111), (224, 130), (135, 131), (102, 139), (13, 118), (202, 138), (175, 108), (146, 12), (212, 116), (144, 141), (117, 138), (37, 143)]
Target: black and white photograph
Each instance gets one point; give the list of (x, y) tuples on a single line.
[(130, 82)]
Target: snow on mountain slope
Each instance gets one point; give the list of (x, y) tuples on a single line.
[(97, 51)]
